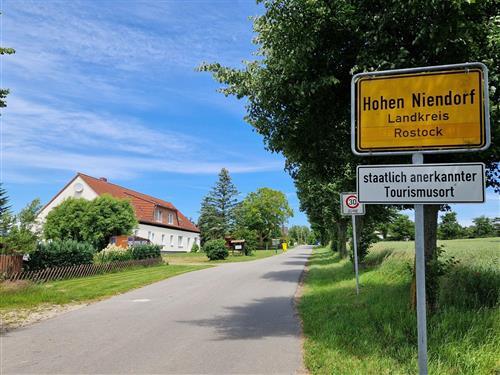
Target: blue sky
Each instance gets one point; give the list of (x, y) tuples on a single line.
[(109, 88)]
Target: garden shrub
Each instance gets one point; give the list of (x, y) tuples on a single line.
[(216, 249), (195, 248), (113, 253), (145, 251), (467, 288), (59, 253)]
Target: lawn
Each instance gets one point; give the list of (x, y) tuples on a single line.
[(28, 295), (375, 333), (200, 257)]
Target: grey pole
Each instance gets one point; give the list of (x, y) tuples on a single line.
[(420, 275), (355, 244)]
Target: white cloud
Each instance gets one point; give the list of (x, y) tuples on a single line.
[(72, 56), (44, 137), (126, 35), (124, 167), (30, 123)]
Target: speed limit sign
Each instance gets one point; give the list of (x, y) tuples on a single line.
[(350, 205)]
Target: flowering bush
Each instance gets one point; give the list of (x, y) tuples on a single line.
[(113, 253)]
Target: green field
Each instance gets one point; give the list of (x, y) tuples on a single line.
[(28, 295), (200, 257), (375, 333)]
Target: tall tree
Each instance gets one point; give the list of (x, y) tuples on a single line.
[(483, 227), (24, 230), (67, 221), (217, 210), (298, 91), (300, 234), (4, 200), (94, 221), (449, 228), (264, 211), (209, 222), (402, 228), (6, 218)]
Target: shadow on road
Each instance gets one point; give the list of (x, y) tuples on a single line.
[(295, 263), (267, 317), (290, 275)]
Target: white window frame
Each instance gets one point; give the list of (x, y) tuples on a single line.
[(180, 241), (170, 218), (172, 240), (158, 215), (162, 239)]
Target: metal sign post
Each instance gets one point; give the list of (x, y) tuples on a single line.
[(425, 110), (420, 276), (350, 205), (355, 245)]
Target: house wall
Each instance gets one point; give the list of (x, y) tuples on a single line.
[(168, 238), (68, 192), (143, 230)]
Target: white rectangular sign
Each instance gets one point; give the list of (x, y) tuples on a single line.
[(421, 183), (349, 204)]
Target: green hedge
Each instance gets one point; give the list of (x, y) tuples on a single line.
[(145, 251), (60, 253)]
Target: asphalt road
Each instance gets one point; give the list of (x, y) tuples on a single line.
[(232, 319)]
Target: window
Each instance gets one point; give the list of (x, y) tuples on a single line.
[(162, 239), (172, 240), (170, 218), (180, 241), (188, 242), (149, 235), (158, 215)]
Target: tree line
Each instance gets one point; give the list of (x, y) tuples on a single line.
[(401, 228), (297, 93), (257, 219)]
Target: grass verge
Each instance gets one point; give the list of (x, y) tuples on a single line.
[(29, 295), (375, 333), (200, 257)]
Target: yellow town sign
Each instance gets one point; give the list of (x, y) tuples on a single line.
[(420, 110)]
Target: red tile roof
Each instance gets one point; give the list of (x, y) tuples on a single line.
[(144, 205)]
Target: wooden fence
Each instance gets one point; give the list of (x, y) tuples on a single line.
[(10, 264), (81, 270)]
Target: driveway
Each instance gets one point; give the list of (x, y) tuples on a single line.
[(236, 318)]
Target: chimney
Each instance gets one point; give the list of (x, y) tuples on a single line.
[(103, 179)]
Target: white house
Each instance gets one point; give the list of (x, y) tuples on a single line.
[(159, 221)]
